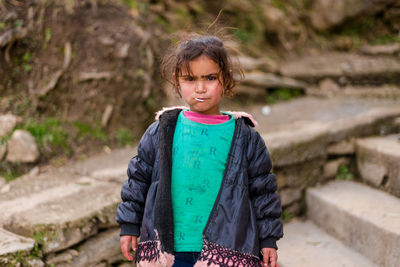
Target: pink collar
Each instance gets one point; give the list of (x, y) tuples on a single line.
[(206, 119)]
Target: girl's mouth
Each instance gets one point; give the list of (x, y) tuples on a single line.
[(200, 99)]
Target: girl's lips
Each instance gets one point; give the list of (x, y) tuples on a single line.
[(200, 99)]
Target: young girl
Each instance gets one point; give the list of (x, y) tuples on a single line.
[(200, 191)]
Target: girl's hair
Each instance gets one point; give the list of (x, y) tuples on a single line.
[(191, 47)]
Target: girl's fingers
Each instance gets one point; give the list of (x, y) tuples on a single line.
[(125, 248), (134, 243), (266, 258)]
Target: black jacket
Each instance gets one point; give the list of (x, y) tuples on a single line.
[(246, 213)]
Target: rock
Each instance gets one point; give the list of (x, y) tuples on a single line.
[(344, 147), (328, 87), (293, 209), (273, 18), (378, 162), (326, 14), (104, 248), (294, 137), (34, 171), (290, 195), (62, 257), (364, 219), (300, 175), (3, 150), (7, 123), (122, 50), (387, 49), (118, 173), (2, 181), (352, 66), (332, 166), (5, 188), (75, 207), (269, 80), (304, 244), (384, 91), (35, 263), (12, 245), (22, 147), (264, 64)]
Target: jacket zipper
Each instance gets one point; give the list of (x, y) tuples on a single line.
[(228, 163)]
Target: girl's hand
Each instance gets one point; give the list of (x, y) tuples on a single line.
[(270, 257), (125, 241)]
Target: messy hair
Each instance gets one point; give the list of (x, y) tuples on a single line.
[(190, 47)]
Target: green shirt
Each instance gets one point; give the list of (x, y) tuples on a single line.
[(199, 155)]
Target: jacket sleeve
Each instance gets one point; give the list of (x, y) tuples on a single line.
[(134, 191), (262, 188)]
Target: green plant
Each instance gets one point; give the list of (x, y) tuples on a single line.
[(344, 173), (286, 216), (125, 137), (131, 3), (49, 134), (47, 35), (282, 94), (85, 130), (26, 62), (9, 171), (279, 4)]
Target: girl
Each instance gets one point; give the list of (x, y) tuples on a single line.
[(200, 191)]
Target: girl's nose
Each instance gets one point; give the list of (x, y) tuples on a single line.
[(200, 86)]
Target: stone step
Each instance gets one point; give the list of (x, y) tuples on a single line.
[(306, 245), (378, 162), (331, 89), (294, 137), (102, 248), (63, 214), (14, 248), (363, 218), (344, 67)]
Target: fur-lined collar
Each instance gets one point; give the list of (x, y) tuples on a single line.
[(237, 114)]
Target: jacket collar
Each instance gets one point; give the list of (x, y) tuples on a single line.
[(237, 114)]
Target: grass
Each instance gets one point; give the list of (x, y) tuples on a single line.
[(9, 171), (85, 130), (344, 173), (282, 94), (49, 135), (286, 216), (125, 137)]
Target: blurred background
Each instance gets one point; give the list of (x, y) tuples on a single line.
[(80, 82)]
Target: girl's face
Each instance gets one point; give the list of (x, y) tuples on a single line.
[(201, 89)]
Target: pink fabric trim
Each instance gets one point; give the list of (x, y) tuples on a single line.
[(204, 118), (237, 114)]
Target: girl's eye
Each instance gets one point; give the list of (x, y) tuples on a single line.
[(211, 78), (189, 78)]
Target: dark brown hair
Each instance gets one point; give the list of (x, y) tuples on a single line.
[(190, 47)]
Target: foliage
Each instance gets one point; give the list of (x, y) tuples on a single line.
[(9, 171), (344, 173), (49, 135), (282, 94), (85, 130), (286, 216), (125, 137)]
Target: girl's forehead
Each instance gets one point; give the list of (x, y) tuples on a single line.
[(201, 65)]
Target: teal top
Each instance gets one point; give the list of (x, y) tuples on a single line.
[(199, 155)]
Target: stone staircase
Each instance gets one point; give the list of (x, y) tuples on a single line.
[(65, 216), (350, 222)]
